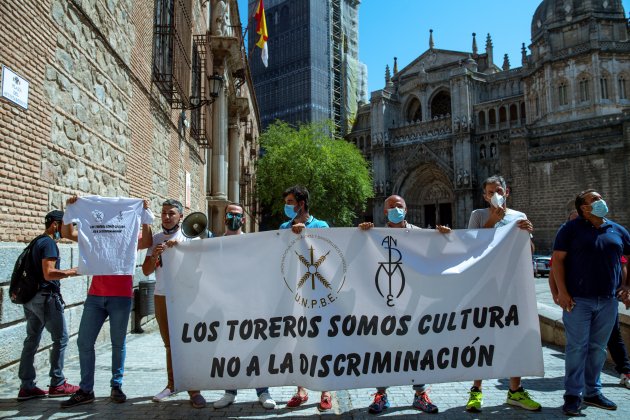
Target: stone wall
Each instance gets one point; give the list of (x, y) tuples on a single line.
[(94, 125)]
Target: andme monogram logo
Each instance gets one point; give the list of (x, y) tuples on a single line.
[(314, 270), (390, 275)]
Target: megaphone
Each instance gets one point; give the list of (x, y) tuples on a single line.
[(195, 225)]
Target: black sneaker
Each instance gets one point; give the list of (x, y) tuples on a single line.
[(600, 401), (572, 405), (117, 395), (78, 398)]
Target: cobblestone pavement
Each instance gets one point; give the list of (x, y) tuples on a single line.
[(145, 376)]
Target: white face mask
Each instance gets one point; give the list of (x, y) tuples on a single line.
[(497, 200)]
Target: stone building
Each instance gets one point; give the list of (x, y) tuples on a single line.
[(314, 71), (145, 98), (556, 125)]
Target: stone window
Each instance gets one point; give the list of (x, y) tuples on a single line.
[(482, 119), (603, 84), (172, 44), (584, 90), (513, 112), (563, 97), (623, 87), (537, 105), (197, 122), (414, 111), (492, 117), (441, 104)]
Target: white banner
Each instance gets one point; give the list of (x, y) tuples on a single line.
[(343, 308)]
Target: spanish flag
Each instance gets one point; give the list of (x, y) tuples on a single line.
[(261, 29)]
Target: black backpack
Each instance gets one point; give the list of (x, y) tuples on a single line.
[(24, 285)]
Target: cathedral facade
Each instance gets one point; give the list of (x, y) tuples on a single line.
[(556, 125)]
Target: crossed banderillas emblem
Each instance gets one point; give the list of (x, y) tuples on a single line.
[(312, 269)]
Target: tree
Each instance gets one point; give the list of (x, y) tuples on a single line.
[(333, 170)]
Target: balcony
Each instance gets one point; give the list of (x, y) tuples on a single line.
[(421, 130)]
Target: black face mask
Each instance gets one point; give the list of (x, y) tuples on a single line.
[(234, 221), (171, 230)]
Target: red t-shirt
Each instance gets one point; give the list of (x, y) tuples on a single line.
[(121, 285)]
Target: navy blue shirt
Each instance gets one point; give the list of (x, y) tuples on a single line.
[(593, 261), (44, 248)]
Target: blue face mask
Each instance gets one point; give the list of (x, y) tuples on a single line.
[(396, 215), (289, 210), (599, 208), (57, 233)]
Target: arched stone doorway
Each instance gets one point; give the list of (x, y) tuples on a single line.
[(429, 195)]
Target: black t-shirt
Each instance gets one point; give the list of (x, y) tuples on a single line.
[(44, 248)]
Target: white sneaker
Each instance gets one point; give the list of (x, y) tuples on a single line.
[(625, 380), (266, 401), (164, 394), (225, 400)]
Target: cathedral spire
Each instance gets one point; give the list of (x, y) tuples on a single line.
[(523, 56), (388, 76), (474, 45), (395, 65), (506, 62), (489, 51), (431, 43)]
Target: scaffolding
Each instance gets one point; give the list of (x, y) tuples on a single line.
[(337, 67)]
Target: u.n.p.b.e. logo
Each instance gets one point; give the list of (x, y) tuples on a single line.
[(314, 270)]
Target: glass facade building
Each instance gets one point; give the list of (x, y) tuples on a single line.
[(314, 73)]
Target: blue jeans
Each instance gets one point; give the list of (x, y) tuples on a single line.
[(617, 349), (45, 310), (587, 329), (258, 391), (95, 311)]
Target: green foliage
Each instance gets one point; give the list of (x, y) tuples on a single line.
[(333, 170)]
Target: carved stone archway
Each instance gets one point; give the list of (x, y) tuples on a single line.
[(428, 192)]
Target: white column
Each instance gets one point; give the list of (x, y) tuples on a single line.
[(219, 146), (234, 167), (209, 171)]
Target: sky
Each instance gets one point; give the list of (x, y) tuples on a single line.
[(400, 28)]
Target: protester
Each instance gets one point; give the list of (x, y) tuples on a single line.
[(587, 270), (234, 220), (496, 193), (296, 209), (616, 345), (395, 209), (45, 310), (172, 214), (109, 296)]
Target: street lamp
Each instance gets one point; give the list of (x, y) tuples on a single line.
[(215, 83)]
